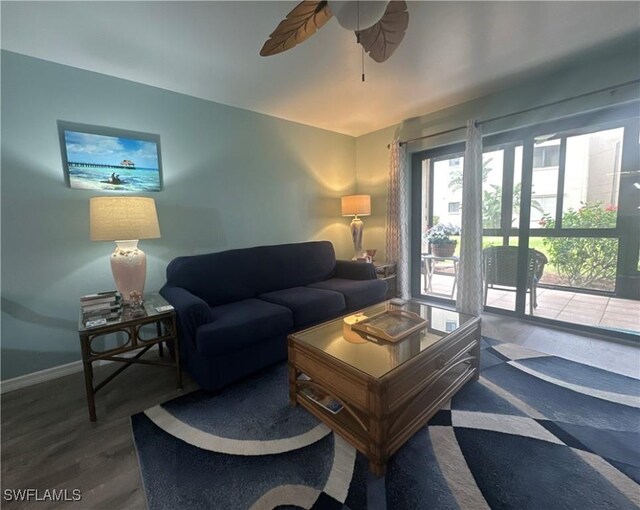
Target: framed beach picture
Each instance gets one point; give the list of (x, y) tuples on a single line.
[(101, 158)]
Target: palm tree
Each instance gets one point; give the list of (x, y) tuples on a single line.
[(455, 179)]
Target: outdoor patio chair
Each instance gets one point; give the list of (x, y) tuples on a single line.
[(500, 271)]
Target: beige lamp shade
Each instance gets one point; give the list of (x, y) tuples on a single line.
[(123, 218), (356, 205)]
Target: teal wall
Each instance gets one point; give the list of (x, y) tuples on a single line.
[(232, 178), (608, 65)]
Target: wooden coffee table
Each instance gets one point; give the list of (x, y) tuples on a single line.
[(388, 391)]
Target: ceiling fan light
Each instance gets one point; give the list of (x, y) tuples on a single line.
[(346, 12)]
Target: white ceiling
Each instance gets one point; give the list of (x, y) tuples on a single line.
[(452, 51)]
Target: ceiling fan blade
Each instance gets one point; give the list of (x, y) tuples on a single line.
[(382, 39), (300, 24)]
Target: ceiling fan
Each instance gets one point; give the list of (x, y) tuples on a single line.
[(379, 26)]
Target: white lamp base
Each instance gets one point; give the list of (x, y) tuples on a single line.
[(129, 267), (357, 226)]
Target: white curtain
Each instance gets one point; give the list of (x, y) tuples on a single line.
[(469, 299), (397, 241)]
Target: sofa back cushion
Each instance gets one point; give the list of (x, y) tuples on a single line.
[(293, 265), (233, 275)]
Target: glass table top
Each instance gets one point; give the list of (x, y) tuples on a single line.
[(151, 302), (377, 358)]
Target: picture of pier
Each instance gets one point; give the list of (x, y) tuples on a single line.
[(119, 163)]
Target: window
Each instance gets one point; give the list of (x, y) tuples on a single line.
[(541, 205), (547, 154), (450, 326), (592, 176), (447, 192), (581, 190), (544, 188), (492, 183), (575, 182)]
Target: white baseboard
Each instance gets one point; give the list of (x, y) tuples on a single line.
[(41, 376), (48, 374)]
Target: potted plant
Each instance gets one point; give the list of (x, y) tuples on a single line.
[(438, 236)]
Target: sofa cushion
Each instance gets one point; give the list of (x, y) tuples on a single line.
[(357, 293), (216, 278), (240, 324), (293, 265), (308, 305)]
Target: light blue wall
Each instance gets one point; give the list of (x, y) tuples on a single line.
[(614, 63), (232, 178)]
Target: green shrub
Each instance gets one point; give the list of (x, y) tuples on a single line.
[(582, 261)]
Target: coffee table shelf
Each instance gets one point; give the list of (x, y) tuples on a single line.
[(344, 421)]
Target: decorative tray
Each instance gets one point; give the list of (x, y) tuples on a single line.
[(392, 325)]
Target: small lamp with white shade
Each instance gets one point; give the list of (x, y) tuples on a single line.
[(125, 220), (356, 206)]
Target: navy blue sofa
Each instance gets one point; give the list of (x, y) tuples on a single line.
[(235, 308)]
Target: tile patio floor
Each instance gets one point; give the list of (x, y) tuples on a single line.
[(587, 309)]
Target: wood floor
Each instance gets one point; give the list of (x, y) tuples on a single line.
[(48, 442)]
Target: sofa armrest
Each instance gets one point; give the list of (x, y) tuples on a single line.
[(352, 270), (192, 311)]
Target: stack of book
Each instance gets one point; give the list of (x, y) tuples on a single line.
[(103, 305), (320, 397)]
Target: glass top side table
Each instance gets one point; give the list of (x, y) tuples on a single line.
[(130, 325)]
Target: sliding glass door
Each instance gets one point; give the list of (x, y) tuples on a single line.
[(585, 224), (560, 218)]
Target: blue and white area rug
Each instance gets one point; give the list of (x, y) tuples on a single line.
[(535, 432)]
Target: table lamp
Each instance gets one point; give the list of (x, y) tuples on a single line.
[(125, 220), (356, 205)]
